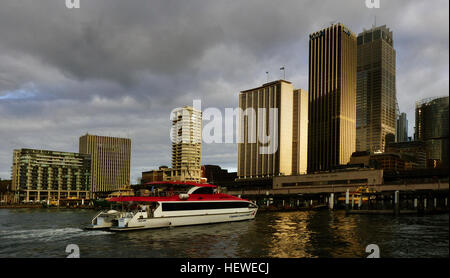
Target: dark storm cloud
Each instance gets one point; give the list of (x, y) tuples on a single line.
[(118, 68)]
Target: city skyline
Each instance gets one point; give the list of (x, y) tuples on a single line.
[(46, 91)]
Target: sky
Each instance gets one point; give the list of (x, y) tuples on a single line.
[(118, 68)]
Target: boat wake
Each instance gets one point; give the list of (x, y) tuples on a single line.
[(50, 234)]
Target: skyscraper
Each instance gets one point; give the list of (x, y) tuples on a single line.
[(332, 97), (186, 144), (375, 90), (432, 128), (110, 162), (273, 110), (402, 128)]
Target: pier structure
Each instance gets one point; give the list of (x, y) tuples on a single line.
[(358, 191)]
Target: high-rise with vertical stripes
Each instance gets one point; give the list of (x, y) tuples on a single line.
[(273, 120), (332, 97), (110, 162)]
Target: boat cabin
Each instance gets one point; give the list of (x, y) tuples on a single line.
[(169, 188)]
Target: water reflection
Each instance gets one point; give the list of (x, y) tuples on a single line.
[(46, 233), (291, 237)]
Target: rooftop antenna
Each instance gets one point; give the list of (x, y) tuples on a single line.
[(267, 73), (284, 72)]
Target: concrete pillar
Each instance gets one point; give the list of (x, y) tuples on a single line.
[(415, 203), (311, 202), (347, 198), (331, 201), (360, 201), (445, 201), (425, 203), (396, 202), (353, 201), (435, 203), (82, 201)]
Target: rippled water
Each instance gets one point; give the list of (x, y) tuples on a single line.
[(47, 232)]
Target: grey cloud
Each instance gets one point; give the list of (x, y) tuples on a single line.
[(118, 67)]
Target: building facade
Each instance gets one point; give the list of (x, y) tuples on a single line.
[(344, 178), (332, 97), (214, 174), (414, 151), (273, 135), (375, 90), (186, 135), (162, 174), (300, 133), (39, 175), (432, 128), (402, 128), (110, 162), (6, 193)]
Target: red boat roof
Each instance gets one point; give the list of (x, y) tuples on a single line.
[(181, 183), (192, 197)]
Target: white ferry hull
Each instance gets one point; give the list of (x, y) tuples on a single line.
[(186, 220)]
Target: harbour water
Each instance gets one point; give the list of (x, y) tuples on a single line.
[(46, 233)]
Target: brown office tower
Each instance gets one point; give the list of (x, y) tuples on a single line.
[(273, 137), (110, 162), (332, 97), (375, 90)]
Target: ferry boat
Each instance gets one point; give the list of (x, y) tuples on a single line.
[(174, 204)]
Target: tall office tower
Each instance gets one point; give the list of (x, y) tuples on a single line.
[(375, 90), (39, 175), (432, 128), (186, 136), (110, 162), (332, 97), (402, 128), (300, 133), (273, 121)]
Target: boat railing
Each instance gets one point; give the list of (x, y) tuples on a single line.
[(98, 214)]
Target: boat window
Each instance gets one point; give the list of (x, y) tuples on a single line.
[(204, 190), (203, 205)]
